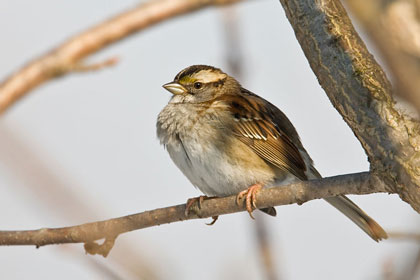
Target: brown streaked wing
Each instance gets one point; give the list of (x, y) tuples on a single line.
[(258, 124)]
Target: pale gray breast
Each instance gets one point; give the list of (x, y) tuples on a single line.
[(213, 160), (185, 120), (172, 120), (191, 137)]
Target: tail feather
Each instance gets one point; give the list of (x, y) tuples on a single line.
[(270, 211), (358, 216)]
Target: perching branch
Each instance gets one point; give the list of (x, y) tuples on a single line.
[(358, 88), (358, 183), (354, 82), (69, 55)]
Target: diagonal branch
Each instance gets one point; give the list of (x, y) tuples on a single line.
[(68, 56), (358, 183), (358, 88)]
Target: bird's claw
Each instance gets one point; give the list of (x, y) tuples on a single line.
[(250, 195), (190, 202), (213, 221)]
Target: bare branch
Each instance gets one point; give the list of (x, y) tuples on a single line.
[(412, 265), (82, 67), (266, 249), (358, 183), (69, 54), (414, 236), (359, 90)]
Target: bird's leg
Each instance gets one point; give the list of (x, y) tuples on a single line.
[(199, 200), (190, 202), (251, 199)]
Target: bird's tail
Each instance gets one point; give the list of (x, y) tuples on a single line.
[(270, 211), (358, 216)]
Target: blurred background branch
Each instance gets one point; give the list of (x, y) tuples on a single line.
[(394, 28), (413, 236), (68, 57)]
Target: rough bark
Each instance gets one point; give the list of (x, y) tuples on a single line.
[(358, 88)]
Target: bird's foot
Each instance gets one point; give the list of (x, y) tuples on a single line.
[(198, 201), (195, 200), (251, 200), (213, 221)]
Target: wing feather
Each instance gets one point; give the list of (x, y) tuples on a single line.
[(259, 125)]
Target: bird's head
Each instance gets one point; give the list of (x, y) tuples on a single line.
[(200, 83)]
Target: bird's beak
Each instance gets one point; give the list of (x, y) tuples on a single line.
[(175, 88)]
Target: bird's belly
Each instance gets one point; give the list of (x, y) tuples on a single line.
[(212, 168)]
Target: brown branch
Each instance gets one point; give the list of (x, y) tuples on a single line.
[(83, 67), (359, 183), (412, 271), (68, 55), (266, 249), (409, 270), (358, 88), (414, 236)]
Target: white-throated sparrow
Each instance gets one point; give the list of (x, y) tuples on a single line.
[(228, 140)]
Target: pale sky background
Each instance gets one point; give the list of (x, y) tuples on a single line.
[(93, 136)]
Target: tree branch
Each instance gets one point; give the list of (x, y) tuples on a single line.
[(400, 235), (68, 56), (358, 88), (358, 183)]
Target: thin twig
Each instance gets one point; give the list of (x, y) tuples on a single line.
[(265, 249), (412, 272), (358, 183), (84, 67), (412, 264), (388, 270), (68, 55), (414, 236)]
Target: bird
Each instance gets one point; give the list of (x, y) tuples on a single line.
[(229, 141)]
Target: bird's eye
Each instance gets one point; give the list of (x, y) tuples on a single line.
[(198, 85)]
